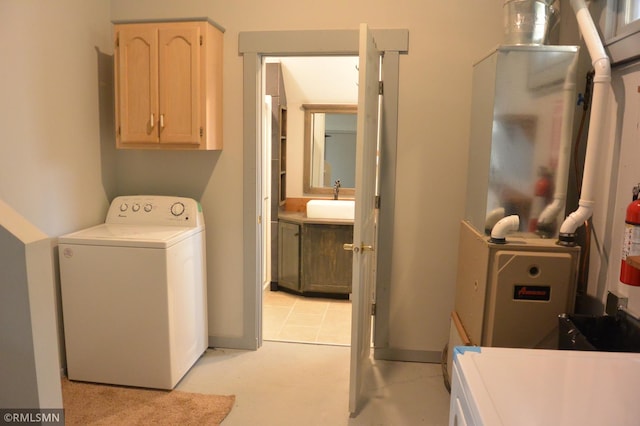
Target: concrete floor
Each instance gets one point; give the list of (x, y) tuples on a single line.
[(302, 384)]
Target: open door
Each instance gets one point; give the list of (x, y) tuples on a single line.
[(364, 229)]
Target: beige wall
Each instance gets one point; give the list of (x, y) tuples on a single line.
[(57, 159), (59, 168), (445, 38)]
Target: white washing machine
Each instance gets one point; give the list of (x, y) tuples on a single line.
[(532, 387), (134, 293)]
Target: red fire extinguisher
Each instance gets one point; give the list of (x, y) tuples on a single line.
[(631, 241)]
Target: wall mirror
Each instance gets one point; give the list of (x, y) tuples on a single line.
[(329, 148)]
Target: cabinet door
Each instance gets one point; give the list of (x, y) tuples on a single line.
[(289, 255), (326, 266), (179, 83), (137, 83)]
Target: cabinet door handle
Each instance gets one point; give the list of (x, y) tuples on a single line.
[(162, 121), (152, 120)]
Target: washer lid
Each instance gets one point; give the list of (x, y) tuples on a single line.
[(508, 386), (129, 235)]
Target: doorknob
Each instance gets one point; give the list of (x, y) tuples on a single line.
[(356, 249)]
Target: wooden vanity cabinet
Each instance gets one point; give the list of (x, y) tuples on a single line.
[(168, 85), (326, 265), (311, 258), (289, 255)]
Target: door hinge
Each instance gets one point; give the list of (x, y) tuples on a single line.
[(201, 41), (117, 41), (119, 132), (373, 309), (201, 132), (380, 88), (377, 202)]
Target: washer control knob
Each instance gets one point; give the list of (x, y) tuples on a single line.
[(124, 207), (148, 207), (135, 207), (177, 208)]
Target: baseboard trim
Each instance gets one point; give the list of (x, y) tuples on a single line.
[(391, 354), (232, 343)]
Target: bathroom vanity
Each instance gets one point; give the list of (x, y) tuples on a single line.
[(311, 259)]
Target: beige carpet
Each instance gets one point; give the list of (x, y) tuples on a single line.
[(94, 404)]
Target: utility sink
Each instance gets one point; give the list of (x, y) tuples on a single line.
[(615, 333), (331, 209)]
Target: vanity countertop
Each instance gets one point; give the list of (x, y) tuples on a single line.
[(299, 217)]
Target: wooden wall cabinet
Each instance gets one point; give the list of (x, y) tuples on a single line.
[(168, 84)]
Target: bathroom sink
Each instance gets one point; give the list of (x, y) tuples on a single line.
[(331, 209)]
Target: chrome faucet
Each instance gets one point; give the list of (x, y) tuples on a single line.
[(336, 189)]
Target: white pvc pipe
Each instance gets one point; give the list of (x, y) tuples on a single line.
[(551, 211), (503, 227), (601, 81), (492, 218)]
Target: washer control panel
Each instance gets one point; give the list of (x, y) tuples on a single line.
[(155, 210)]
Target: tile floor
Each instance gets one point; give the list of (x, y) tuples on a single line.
[(292, 318)]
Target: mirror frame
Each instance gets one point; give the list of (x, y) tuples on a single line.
[(306, 176)]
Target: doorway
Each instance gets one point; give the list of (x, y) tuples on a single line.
[(292, 84), (253, 46)]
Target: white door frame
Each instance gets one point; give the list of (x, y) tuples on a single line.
[(254, 45)]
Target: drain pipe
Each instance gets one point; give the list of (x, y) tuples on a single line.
[(549, 215), (601, 82)]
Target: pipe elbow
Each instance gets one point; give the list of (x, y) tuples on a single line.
[(550, 212), (492, 218), (546, 224), (503, 227), (602, 68), (587, 27), (576, 219)]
